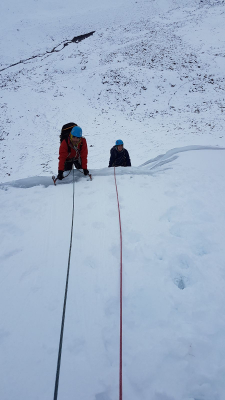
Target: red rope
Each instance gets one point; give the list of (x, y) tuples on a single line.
[(121, 302)]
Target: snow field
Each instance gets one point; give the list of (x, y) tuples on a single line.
[(173, 279)]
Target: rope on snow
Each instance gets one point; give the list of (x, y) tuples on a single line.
[(121, 299), (64, 305), (65, 300)]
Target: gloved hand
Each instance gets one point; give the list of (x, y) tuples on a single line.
[(86, 172), (60, 175)]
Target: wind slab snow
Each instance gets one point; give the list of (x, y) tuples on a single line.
[(152, 74)]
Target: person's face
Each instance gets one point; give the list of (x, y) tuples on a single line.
[(120, 147), (75, 140)]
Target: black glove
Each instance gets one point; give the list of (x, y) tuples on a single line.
[(60, 175), (86, 172)]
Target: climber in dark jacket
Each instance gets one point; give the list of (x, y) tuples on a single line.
[(119, 157)]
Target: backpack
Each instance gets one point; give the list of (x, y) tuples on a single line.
[(65, 131)]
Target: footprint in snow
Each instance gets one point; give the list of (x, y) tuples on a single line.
[(181, 282)]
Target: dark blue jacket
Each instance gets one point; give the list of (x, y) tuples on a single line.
[(119, 158)]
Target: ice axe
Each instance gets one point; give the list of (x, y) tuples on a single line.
[(54, 179)]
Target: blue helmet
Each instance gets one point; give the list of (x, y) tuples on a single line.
[(76, 131), (119, 142)]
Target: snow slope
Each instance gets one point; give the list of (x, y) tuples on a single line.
[(173, 297), (152, 74)]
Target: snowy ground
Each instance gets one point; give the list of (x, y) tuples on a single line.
[(153, 75), (173, 218)]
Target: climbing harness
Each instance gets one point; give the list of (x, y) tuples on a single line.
[(121, 299), (64, 305)]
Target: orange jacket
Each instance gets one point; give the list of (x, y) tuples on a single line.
[(67, 153)]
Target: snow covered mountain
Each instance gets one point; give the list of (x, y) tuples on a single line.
[(152, 74)]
